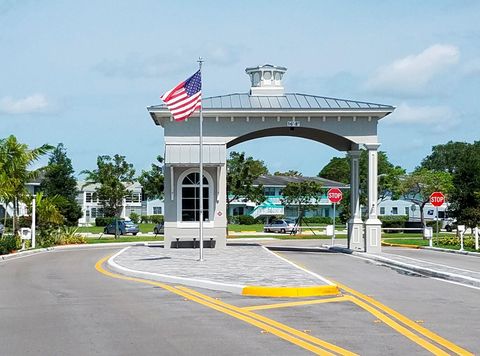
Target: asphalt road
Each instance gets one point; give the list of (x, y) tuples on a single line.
[(56, 303)]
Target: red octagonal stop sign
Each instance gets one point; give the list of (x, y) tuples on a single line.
[(437, 198), (334, 195)]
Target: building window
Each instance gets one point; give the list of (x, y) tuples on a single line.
[(395, 210), (407, 211), (239, 210), (191, 198), (133, 198), (382, 210), (269, 191), (97, 213), (91, 197), (157, 210)]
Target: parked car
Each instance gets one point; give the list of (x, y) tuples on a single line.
[(159, 229), (282, 225), (2, 228), (124, 227)]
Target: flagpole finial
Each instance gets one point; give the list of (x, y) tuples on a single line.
[(200, 61)]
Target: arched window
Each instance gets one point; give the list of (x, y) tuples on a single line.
[(191, 198)]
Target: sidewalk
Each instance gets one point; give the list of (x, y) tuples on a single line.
[(248, 270)]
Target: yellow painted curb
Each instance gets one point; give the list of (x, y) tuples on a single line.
[(314, 291), (399, 245)]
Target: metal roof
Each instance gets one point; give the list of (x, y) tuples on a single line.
[(272, 180), (288, 101)]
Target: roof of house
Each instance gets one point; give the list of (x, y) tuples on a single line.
[(288, 101), (272, 180)]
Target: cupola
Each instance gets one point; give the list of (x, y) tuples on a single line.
[(266, 80)]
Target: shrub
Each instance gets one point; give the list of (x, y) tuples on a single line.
[(453, 240), (8, 243), (135, 217), (246, 220), (311, 220), (104, 221), (156, 219)]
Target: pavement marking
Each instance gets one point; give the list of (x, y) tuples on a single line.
[(397, 327), (291, 292), (295, 304), (410, 323), (434, 263), (263, 323), (272, 322), (457, 283)]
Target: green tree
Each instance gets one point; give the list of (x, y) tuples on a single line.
[(152, 180), (389, 175), (59, 181), (289, 173), (241, 173), (418, 186), (113, 175), (305, 195), (15, 162), (462, 160)]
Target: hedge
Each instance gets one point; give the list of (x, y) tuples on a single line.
[(104, 221)]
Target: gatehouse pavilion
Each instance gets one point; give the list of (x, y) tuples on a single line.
[(266, 110)]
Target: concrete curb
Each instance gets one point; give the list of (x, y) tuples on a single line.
[(439, 249), (26, 253), (422, 270), (246, 290)]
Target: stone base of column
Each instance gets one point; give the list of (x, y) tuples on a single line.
[(355, 234), (373, 235)]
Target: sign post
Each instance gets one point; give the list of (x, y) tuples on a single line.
[(437, 199), (334, 196)]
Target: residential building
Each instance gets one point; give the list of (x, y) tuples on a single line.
[(274, 206)]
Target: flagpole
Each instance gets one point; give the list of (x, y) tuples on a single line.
[(200, 61)]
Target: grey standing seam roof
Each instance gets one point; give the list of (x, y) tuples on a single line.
[(288, 101)]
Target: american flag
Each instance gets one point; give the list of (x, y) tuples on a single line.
[(185, 98)]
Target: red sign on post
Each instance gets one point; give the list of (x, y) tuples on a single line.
[(437, 198), (334, 195)]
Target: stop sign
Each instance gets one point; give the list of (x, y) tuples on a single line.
[(437, 198), (334, 195)]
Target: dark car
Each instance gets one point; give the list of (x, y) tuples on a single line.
[(124, 227), (159, 229)]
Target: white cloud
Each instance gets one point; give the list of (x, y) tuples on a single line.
[(411, 74), (30, 104), (437, 118)]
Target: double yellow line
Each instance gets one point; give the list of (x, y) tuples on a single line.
[(381, 311), (283, 331)]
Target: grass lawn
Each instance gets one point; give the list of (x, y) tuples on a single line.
[(419, 241)]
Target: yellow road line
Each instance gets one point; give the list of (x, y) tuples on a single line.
[(216, 306), (272, 322), (295, 304), (399, 328), (291, 292), (410, 323)]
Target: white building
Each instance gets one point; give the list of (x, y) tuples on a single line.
[(389, 207), (133, 203)]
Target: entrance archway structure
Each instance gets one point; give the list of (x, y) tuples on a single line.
[(346, 125)]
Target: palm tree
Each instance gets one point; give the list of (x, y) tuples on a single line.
[(15, 159)]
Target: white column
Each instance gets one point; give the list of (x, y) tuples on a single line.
[(355, 224), (373, 225)]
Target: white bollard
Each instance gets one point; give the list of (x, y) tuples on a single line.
[(476, 233), (461, 231)]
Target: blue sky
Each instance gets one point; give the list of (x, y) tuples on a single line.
[(83, 72)]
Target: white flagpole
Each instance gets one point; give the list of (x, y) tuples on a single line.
[(200, 61)]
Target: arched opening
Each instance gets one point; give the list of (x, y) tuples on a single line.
[(189, 196), (338, 142)]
